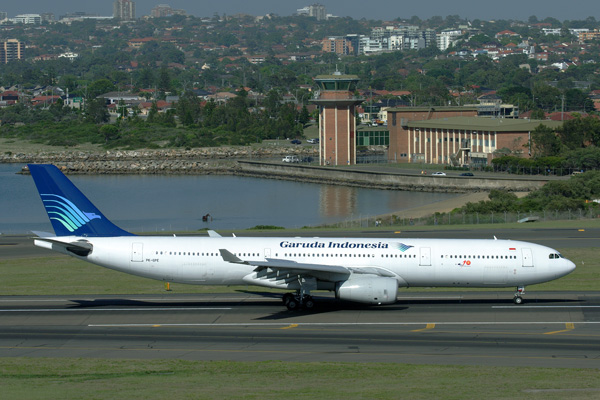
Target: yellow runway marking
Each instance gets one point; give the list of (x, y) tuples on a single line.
[(290, 326), (569, 325), (428, 327)]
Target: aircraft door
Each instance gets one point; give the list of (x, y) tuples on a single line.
[(137, 252), (267, 253), (425, 256), (527, 257)]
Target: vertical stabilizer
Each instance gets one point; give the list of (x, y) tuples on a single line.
[(70, 212)]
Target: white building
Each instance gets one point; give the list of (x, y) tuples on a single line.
[(448, 38), (28, 19), (69, 55)]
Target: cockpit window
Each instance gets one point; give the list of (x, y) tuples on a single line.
[(555, 255)]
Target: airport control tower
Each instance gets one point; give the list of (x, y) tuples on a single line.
[(337, 119)]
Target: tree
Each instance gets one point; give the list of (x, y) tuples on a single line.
[(99, 87), (580, 132), (305, 115), (538, 114), (164, 80), (546, 97), (545, 141), (110, 133), (96, 112)]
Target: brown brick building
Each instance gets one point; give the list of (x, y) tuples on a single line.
[(455, 135), (398, 119), (337, 118)]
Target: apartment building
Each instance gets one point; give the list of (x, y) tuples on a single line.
[(165, 10), (381, 40), (337, 44), (124, 10), (590, 35), (11, 50), (316, 10), (448, 38)]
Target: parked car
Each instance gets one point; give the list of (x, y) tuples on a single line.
[(466, 174), (295, 141), (439, 174), (313, 141), (290, 159)]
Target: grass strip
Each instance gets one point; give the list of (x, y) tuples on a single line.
[(43, 378)]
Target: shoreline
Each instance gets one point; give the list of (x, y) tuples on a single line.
[(258, 162)]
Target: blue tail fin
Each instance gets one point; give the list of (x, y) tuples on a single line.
[(70, 212)]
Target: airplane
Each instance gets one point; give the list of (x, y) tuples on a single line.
[(361, 270)]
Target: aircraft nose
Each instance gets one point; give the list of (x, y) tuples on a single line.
[(568, 267)]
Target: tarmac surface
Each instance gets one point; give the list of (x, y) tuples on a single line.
[(550, 329)]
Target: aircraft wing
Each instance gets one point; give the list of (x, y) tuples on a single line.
[(304, 269), (287, 265)]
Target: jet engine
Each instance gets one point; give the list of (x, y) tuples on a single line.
[(370, 290)]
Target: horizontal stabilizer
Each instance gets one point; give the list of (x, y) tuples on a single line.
[(78, 247), (43, 234)]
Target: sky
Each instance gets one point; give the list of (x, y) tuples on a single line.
[(369, 9)]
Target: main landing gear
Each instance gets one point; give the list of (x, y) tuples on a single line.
[(302, 298), (518, 299), (295, 301)]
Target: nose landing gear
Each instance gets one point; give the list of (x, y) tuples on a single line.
[(518, 299)]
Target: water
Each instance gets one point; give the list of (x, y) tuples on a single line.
[(152, 203)]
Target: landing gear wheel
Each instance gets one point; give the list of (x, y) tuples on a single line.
[(287, 297), (309, 303), (292, 304), (518, 300)]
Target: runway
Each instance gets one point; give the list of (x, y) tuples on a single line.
[(552, 329)]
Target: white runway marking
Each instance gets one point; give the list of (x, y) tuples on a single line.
[(266, 324), (118, 309), (516, 307)]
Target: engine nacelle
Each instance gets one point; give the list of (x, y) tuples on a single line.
[(370, 290)]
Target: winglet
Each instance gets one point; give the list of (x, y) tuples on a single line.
[(212, 233)]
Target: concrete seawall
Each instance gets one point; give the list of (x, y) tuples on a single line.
[(227, 163), (380, 180)]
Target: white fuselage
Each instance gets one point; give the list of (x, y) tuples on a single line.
[(413, 262)]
